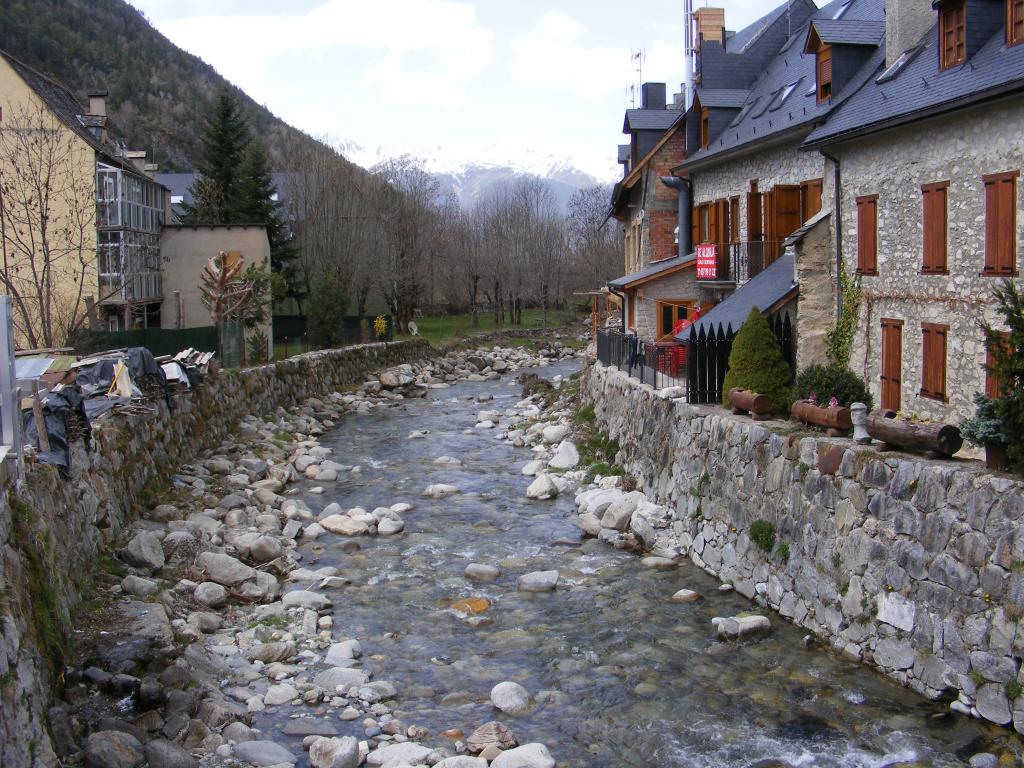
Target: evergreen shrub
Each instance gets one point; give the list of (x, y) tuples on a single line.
[(828, 381), (756, 363)]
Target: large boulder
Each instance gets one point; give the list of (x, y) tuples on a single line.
[(538, 581), (264, 753), (555, 433), (394, 755), (334, 753), (511, 698), (394, 378), (112, 749), (161, 753), (542, 488), (566, 456), (735, 627), (224, 569), (144, 551), (344, 525), (302, 598), (331, 679)]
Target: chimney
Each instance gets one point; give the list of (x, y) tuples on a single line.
[(653, 96), (137, 157), (906, 21), (710, 24), (98, 103)]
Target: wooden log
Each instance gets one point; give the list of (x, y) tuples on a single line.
[(835, 418), (746, 400), (942, 439)]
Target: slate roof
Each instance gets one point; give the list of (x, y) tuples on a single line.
[(764, 291), (727, 98), (783, 99), (650, 119), (652, 271), (750, 34), (921, 89), (849, 31), (63, 103), (180, 184)]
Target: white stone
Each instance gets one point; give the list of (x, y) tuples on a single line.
[(302, 598), (279, 694), (555, 433), (896, 610), (566, 456), (740, 626), (398, 755), (440, 490), (334, 753), (542, 488), (532, 468), (511, 698), (527, 756), (537, 581), (344, 525)]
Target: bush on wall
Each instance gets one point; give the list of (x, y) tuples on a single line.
[(756, 363), (828, 381)]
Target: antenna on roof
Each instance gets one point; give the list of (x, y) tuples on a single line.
[(637, 57)]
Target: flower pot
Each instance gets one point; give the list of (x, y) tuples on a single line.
[(995, 457)]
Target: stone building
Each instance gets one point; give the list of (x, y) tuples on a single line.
[(930, 151)]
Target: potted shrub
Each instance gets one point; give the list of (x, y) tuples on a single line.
[(985, 429)]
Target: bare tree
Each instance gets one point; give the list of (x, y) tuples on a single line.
[(595, 241), (47, 226)]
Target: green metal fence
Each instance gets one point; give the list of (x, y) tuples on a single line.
[(159, 341)]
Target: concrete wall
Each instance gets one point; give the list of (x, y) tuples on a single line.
[(72, 214), (912, 566), (56, 534), (185, 250), (961, 149)]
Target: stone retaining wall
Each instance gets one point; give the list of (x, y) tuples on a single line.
[(52, 538), (913, 566)]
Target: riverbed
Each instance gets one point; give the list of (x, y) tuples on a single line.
[(621, 676)]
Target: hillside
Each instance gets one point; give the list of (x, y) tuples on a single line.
[(159, 94)]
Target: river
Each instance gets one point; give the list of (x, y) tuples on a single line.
[(623, 677)]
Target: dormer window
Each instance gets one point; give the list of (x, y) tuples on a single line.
[(953, 34), (1014, 22), (704, 128), (824, 73)]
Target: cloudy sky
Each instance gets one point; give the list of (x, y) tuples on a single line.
[(453, 81)]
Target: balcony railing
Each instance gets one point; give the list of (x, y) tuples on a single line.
[(135, 287), (658, 363), (739, 262)]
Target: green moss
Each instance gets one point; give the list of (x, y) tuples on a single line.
[(762, 533), (586, 415), (783, 551), (1013, 689), (756, 363), (836, 560)]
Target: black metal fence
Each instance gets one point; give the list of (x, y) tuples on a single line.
[(660, 364), (743, 261), (698, 366)]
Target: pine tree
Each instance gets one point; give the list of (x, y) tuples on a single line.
[(225, 142), (756, 363), (258, 206)]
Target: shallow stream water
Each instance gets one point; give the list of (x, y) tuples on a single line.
[(626, 677)]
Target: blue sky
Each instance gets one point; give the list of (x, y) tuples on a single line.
[(453, 81)]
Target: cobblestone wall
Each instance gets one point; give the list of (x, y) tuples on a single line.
[(913, 566), (53, 534)]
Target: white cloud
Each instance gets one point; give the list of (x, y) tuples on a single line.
[(412, 47)]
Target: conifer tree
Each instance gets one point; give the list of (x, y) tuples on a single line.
[(756, 363), (216, 193)]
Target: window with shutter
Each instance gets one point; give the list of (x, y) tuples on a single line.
[(953, 34), (933, 360), (867, 235), (1001, 224), (1014, 22), (824, 73), (892, 363), (934, 227)]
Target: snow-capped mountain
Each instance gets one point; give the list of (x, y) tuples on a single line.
[(471, 180)]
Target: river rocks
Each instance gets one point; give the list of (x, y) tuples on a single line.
[(265, 548), (491, 734), (527, 756), (566, 456), (735, 627), (343, 525), (440, 491), (542, 488), (302, 598), (144, 551), (537, 581), (555, 433), (334, 753), (533, 468), (389, 527), (263, 753), (397, 377), (619, 512), (344, 677), (279, 694), (342, 652), (224, 569), (482, 572), (268, 653), (161, 753), (462, 761), (135, 585), (992, 704), (511, 698), (112, 749), (396, 755), (685, 596)]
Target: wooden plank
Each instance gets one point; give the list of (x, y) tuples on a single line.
[(943, 439)]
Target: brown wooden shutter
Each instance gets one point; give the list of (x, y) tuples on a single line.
[(824, 73), (1001, 223), (754, 230), (934, 227), (867, 235), (892, 363), (933, 363), (992, 383), (1014, 22), (810, 198), (953, 34)]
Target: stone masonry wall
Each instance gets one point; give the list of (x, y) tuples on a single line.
[(961, 149), (679, 286), (52, 535), (913, 566)]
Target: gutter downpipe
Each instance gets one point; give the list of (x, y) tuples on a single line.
[(622, 304), (837, 222), (682, 186)]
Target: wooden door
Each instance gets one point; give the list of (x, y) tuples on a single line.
[(892, 363), (785, 216)]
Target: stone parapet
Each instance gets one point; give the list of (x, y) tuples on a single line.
[(913, 566)]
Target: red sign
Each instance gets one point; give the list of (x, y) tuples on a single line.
[(707, 261)]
